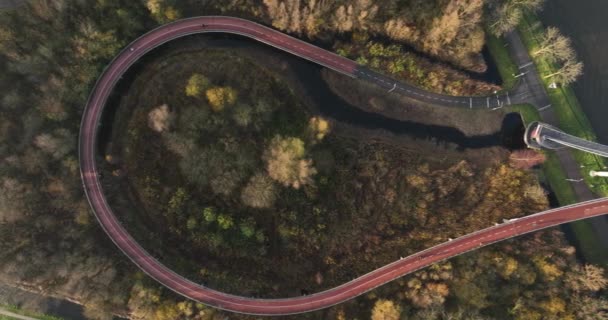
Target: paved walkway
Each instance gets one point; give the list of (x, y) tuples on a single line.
[(537, 95)]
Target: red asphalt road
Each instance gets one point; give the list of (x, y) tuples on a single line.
[(349, 290)]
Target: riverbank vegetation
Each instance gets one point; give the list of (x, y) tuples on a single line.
[(257, 183)]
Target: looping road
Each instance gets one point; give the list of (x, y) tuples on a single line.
[(349, 290)]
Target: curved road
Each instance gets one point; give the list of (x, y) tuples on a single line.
[(349, 290)]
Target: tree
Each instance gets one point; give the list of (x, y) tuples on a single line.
[(526, 159), (586, 307), (569, 71), (225, 181), (160, 118), (177, 201), (506, 14), (259, 192), (589, 277), (557, 48), (225, 221), (554, 46), (220, 97), (197, 84), (385, 310), (247, 227), (209, 214), (163, 11), (286, 164), (318, 127), (58, 143)]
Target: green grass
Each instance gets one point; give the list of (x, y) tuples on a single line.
[(506, 67), (554, 175), (570, 115), (18, 310), (527, 111)]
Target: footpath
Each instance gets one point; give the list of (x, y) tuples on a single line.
[(537, 95)]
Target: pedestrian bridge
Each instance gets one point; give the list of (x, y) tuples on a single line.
[(544, 136)]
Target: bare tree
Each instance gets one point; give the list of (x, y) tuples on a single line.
[(569, 71), (506, 14), (554, 44)]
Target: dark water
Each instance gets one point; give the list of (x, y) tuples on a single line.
[(334, 107), (512, 132), (586, 23)]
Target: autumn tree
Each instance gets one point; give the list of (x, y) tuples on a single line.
[(259, 192), (355, 15), (526, 158), (587, 307), (457, 23), (298, 16), (286, 162), (160, 118), (385, 310), (318, 128), (220, 97), (163, 11), (197, 84), (587, 278)]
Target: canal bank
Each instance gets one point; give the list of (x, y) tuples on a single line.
[(584, 21)]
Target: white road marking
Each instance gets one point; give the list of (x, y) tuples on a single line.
[(525, 65)]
